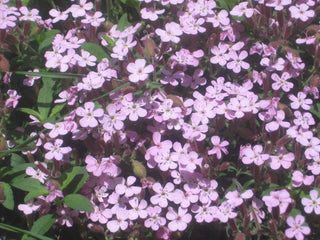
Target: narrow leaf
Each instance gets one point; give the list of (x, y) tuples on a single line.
[(45, 97), (43, 224), (78, 202), (123, 22), (95, 50), (74, 180), (50, 74), (46, 39), (15, 229), (8, 194), (108, 40), (56, 109), (35, 193), (27, 184), (31, 112)]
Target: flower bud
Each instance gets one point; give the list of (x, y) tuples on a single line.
[(315, 81), (285, 108), (4, 64), (2, 195), (3, 144), (138, 169), (176, 100), (150, 46)]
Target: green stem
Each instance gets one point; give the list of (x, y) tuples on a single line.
[(19, 230)]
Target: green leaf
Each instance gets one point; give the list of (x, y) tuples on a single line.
[(315, 109), (16, 162), (51, 74), (223, 4), (45, 97), (27, 184), (31, 112), (123, 22), (95, 50), (56, 109), (35, 193), (19, 230), (45, 39), (232, 3), (43, 224), (108, 40), (73, 181), (9, 202), (78, 202)]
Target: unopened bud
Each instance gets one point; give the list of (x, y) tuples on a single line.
[(315, 81), (2, 195), (176, 100), (150, 46), (3, 143), (4, 64), (245, 133), (96, 228), (30, 157), (283, 141), (138, 169), (35, 31), (285, 108), (224, 166), (240, 236)]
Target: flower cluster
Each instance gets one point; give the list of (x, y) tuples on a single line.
[(207, 115)]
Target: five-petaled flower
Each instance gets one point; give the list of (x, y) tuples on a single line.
[(88, 115), (138, 70)]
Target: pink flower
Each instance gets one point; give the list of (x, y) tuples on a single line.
[(155, 221), (300, 11), (58, 15), (120, 221), (55, 150), (173, 30), (126, 188), (12, 101), (296, 229), (56, 129), (7, 20), (180, 220), (66, 216), (278, 4), (218, 147), (95, 20), (279, 199), (274, 125), (282, 82), (80, 10), (138, 209), (29, 81), (300, 101), (237, 62), (37, 174), (312, 204), (281, 160), (151, 13), (242, 9), (88, 115), (298, 179), (254, 155), (86, 59), (257, 204), (163, 194), (221, 55), (30, 207), (31, 15), (138, 70)]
